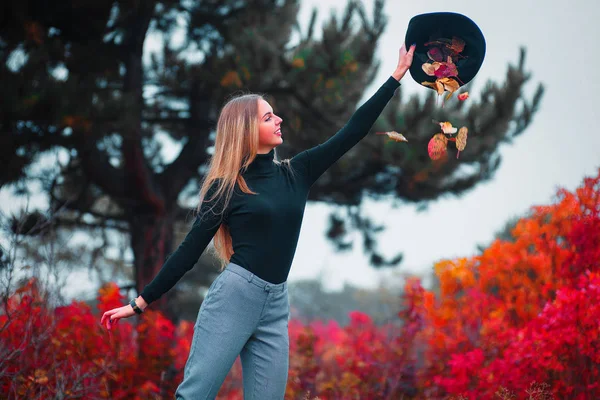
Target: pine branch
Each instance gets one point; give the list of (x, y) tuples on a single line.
[(80, 223)]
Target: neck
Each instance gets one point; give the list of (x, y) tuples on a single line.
[(262, 163), (264, 150)]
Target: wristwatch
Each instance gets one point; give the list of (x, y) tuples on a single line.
[(135, 307)]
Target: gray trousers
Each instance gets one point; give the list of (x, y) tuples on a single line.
[(241, 315)]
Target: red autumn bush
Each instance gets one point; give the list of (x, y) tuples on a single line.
[(519, 321), (65, 353), (523, 311)]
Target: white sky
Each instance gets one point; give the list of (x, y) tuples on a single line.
[(560, 148)]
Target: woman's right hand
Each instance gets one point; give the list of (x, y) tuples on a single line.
[(111, 317), (405, 60)]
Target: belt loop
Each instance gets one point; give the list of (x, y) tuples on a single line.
[(250, 276)]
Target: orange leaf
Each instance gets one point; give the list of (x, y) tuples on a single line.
[(437, 86), (457, 45), (447, 128), (450, 84)]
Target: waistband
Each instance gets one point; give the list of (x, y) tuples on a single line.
[(255, 280)]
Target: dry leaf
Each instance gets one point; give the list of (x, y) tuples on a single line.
[(447, 128), (395, 136), (437, 146), (446, 70), (440, 69), (439, 42), (435, 54), (461, 140), (458, 45), (437, 86), (463, 96), (449, 84), (429, 69)]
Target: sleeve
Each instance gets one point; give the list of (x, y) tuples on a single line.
[(189, 251), (318, 159)]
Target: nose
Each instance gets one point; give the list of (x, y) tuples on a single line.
[(279, 120)]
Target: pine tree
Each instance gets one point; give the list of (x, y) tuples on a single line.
[(75, 77)]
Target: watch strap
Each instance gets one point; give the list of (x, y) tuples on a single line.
[(135, 307)]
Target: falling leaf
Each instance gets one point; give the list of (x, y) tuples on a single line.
[(437, 86), (447, 128), (463, 96), (437, 146), (450, 85), (395, 136), (461, 140)]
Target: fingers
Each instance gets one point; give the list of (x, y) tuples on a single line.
[(406, 57), (112, 321), (404, 53), (110, 318), (107, 315)]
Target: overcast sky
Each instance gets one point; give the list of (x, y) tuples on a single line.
[(559, 149)]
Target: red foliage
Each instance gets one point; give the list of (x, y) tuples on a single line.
[(523, 311)]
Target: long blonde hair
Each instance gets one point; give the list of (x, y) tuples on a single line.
[(236, 146)]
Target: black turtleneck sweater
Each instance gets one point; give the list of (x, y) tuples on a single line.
[(265, 226)]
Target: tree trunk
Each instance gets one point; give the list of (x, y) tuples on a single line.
[(151, 241)]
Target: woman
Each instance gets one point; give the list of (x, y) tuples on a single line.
[(253, 207)]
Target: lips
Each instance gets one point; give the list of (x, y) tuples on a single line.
[(277, 132)]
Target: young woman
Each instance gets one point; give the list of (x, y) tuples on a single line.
[(252, 206)]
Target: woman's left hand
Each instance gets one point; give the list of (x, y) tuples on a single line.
[(404, 61)]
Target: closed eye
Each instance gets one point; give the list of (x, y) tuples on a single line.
[(269, 115)]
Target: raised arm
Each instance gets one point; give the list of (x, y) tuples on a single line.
[(319, 158), (187, 254)]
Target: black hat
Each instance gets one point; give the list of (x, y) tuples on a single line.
[(429, 30)]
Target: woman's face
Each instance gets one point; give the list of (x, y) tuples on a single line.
[(269, 128)]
